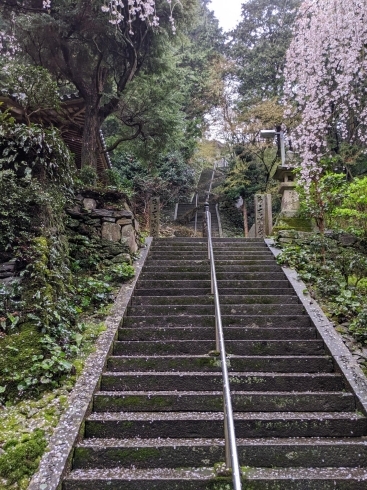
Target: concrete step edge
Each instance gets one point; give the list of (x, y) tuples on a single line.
[(213, 416)]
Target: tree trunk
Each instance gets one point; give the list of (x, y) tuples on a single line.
[(92, 124), (245, 219)]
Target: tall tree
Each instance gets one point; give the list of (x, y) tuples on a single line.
[(78, 44), (258, 47)]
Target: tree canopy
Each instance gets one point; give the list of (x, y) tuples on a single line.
[(81, 48)]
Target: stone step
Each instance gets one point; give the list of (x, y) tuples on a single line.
[(210, 424), (275, 364), (227, 276), (174, 453), (187, 258), (235, 309), (157, 420), (207, 401), (205, 333), (208, 299), (153, 283), (252, 250), (205, 381), (205, 283), (245, 241), (247, 268), (204, 267), (250, 276), (255, 321), (172, 257), (205, 478), (203, 255), (245, 262), (291, 347), (198, 292)]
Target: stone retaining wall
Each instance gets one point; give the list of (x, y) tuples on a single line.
[(112, 225), (113, 231)]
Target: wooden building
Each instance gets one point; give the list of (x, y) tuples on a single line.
[(69, 119)]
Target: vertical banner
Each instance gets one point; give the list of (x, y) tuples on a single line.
[(154, 216)]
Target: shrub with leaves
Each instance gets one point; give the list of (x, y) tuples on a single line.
[(332, 272)]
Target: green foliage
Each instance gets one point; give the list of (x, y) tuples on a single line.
[(358, 327), (91, 291), (35, 152), (259, 46), (87, 176), (21, 456), (121, 272), (334, 274), (351, 213), (25, 209), (170, 177), (323, 196), (31, 86)]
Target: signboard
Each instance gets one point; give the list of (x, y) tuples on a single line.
[(154, 209)]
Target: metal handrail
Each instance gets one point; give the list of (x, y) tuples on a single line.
[(229, 431), (196, 213)]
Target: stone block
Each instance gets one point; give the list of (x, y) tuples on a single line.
[(89, 204), (127, 230), (75, 211), (73, 223), (122, 214), (122, 258), (347, 239), (102, 213), (108, 220), (4, 275), (285, 240), (7, 267), (133, 245), (92, 222), (111, 232), (124, 221), (288, 234), (136, 225)]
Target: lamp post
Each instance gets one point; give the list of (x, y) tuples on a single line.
[(269, 134)]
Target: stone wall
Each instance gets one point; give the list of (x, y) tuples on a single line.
[(118, 226), (7, 271), (292, 236), (112, 232)]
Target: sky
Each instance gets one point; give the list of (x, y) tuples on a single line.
[(228, 12)]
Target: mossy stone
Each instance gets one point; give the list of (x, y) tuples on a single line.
[(299, 224)]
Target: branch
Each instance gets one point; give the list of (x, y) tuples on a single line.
[(127, 138)]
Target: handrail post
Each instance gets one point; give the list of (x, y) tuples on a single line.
[(205, 224)]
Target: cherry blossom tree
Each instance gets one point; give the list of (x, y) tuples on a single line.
[(325, 82)]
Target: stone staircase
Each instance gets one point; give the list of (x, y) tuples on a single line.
[(186, 211), (157, 420)]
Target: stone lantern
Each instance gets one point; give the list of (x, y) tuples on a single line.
[(290, 198)]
